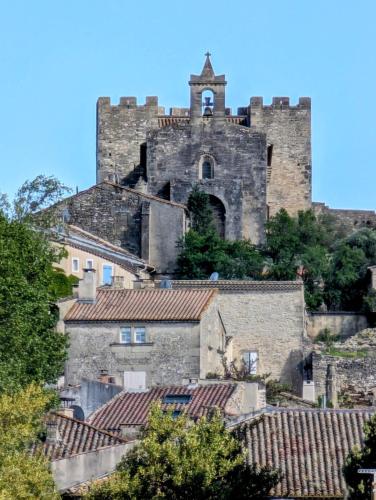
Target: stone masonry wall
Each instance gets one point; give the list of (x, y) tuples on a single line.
[(120, 132), (359, 373), (350, 220), (239, 182), (171, 354), (270, 323), (344, 324), (121, 216), (288, 130)]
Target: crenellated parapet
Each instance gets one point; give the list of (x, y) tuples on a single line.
[(280, 103)]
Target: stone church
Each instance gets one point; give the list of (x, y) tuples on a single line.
[(251, 164)]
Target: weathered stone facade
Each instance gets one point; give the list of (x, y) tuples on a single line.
[(259, 159), (147, 226), (174, 352), (263, 317)]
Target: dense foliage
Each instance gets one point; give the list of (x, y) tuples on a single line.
[(30, 348), (177, 459), (332, 265), (23, 475), (360, 485)]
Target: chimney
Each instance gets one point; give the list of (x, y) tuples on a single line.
[(66, 412), (87, 287), (52, 436), (130, 432), (331, 386), (117, 282)]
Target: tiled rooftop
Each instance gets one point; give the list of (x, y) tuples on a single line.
[(74, 437), (309, 446), (239, 285), (133, 408), (143, 305)]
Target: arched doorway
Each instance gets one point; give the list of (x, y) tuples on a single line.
[(219, 214)]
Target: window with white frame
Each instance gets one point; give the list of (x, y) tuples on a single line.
[(133, 335), (75, 265), (89, 263), (126, 335), (140, 336), (250, 359)]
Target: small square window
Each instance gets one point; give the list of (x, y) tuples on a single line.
[(126, 335), (89, 263), (75, 265), (140, 336)]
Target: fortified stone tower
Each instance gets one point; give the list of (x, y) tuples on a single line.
[(251, 164)]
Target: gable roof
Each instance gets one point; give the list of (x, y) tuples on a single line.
[(74, 437), (78, 238), (133, 408), (143, 305), (309, 446)]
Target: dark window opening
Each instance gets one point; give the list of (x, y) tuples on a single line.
[(177, 399), (207, 170), (143, 155), (269, 155), (219, 215), (165, 192)]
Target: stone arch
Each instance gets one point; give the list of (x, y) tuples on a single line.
[(208, 101), (219, 214)]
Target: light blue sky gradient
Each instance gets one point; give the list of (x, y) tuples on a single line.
[(58, 57)]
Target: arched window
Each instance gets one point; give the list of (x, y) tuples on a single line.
[(207, 103), (206, 168)]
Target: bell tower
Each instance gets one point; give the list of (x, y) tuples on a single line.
[(214, 107)]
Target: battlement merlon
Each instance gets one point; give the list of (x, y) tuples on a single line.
[(280, 103), (128, 102)]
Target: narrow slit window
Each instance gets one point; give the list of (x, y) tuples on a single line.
[(269, 155)]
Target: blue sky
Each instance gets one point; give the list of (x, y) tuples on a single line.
[(57, 58)]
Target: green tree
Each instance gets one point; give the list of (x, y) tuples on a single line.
[(347, 281), (203, 251), (30, 348), (177, 459), (22, 475), (360, 485), (299, 245)]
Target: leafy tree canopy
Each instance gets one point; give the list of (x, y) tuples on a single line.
[(30, 348), (360, 485), (177, 459), (21, 474), (332, 265)]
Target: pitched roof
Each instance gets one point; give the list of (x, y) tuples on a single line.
[(143, 305), (239, 285), (78, 238), (133, 408), (309, 446), (74, 437)]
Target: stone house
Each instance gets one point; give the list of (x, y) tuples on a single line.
[(78, 451), (86, 250), (127, 412), (143, 337), (264, 322)]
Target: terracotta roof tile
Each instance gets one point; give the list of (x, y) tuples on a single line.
[(143, 305), (75, 437), (133, 408), (238, 285), (309, 446)]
